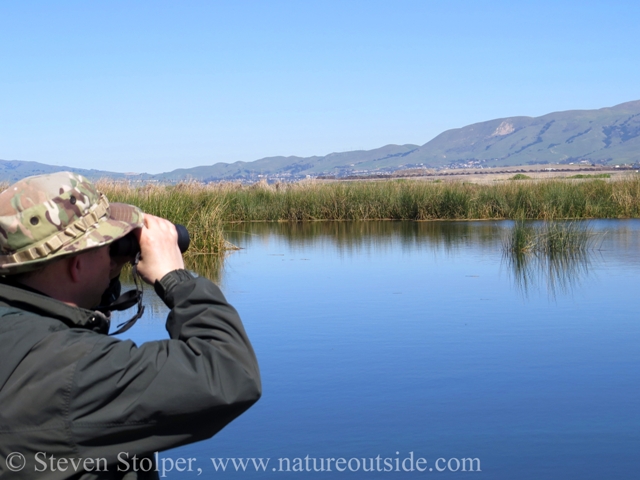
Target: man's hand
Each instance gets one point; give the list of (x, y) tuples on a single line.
[(159, 252)]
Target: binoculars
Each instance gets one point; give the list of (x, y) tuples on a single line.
[(128, 246)]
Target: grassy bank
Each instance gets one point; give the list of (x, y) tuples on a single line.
[(204, 209)]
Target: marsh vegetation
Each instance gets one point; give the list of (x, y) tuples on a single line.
[(206, 209), (549, 237)]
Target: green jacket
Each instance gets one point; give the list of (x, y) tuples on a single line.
[(69, 391)]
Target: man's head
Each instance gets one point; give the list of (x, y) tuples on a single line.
[(55, 232), (48, 217)]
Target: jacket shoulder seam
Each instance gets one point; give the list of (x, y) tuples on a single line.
[(61, 426)]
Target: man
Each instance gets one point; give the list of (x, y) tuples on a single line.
[(75, 402)]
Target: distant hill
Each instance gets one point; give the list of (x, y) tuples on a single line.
[(607, 135), (603, 136), (387, 158), (14, 170)]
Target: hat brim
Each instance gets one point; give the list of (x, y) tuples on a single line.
[(120, 220)]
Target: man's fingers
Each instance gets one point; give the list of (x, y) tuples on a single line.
[(159, 252)]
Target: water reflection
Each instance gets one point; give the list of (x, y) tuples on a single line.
[(558, 273), (618, 241), (353, 235), (209, 266), (556, 254)]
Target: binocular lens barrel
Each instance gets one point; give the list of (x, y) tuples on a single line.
[(127, 246)]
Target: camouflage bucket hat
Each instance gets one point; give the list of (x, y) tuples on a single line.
[(48, 216)]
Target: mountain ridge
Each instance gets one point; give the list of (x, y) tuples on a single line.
[(601, 136)]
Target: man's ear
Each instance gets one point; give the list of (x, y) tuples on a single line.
[(75, 265)]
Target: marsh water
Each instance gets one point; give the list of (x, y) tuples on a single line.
[(405, 340)]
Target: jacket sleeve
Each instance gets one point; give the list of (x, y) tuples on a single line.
[(162, 394)]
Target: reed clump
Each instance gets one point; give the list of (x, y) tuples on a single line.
[(549, 238)]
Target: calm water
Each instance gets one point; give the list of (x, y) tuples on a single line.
[(386, 338)]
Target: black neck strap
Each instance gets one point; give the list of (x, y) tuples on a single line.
[(129, 299)]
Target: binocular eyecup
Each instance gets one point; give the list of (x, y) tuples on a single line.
[(128, 246)]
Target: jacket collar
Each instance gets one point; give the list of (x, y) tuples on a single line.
[(40, 304)]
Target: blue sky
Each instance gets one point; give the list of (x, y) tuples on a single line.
[(157, 85)]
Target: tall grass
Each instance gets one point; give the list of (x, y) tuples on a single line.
[(415, 200), (188, 204), (549, 238), (205, 209)]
